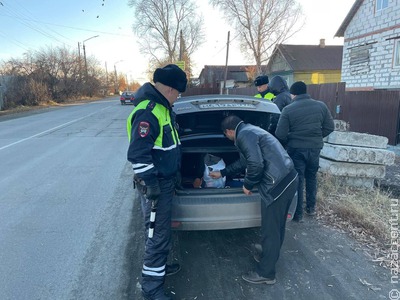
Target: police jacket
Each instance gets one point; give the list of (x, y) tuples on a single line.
[(267, 164), (304, 123), (154, 146), (265, 95), (279, 87)]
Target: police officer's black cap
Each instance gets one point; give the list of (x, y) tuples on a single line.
[(260, 80), (172, 76), (298, 88)]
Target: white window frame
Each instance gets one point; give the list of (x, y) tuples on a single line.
[(381, 4), (396, 57)]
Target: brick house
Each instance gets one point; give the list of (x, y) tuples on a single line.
[(371, 51)]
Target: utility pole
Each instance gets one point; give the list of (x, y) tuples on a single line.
[(84, 55), (80, 62), (116, 80), (181, 46), (226, 63), (106, 79), (116, 86)]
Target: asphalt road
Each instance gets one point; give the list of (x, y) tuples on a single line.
[(70, 227)]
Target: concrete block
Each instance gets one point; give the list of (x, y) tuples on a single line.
[(357, 139), (341, 125), (359, 182), (358, 154), (351, 169)]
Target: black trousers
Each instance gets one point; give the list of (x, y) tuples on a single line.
[(306, 163), (273, 224), (157, 248)]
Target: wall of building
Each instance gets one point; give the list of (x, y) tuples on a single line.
[(318, 77), (369, 48)]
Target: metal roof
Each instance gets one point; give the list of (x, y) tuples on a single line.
[(310, 57)]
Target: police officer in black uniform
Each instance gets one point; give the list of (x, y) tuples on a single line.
[(154, 152)]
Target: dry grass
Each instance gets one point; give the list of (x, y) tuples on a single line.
[(363, 213)]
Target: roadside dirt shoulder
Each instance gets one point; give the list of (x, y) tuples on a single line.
[(22, 111), (316, 262)]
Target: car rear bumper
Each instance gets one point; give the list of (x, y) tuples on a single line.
[(218, 211), (215, 212)]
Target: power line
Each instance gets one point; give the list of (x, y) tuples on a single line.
[(224, 47), (71, 27), (21, 18), (28, 21), (14, 41), (32, 20)]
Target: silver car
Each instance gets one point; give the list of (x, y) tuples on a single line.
[(195, 206)]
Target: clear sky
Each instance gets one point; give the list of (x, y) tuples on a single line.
[(32, 25)]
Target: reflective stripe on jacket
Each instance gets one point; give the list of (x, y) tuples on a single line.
[(154, 152), (268, 96)]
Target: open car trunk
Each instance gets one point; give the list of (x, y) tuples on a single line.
[(193, 166), (199, 123)]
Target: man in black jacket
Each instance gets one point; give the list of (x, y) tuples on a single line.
[(270, 169), (301, 128)]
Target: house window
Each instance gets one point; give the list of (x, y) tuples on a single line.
[(397, 53), (381, 4)]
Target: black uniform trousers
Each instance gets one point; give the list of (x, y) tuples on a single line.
[(273, 224), (157, 248)]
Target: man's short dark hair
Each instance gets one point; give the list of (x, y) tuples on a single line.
[(298, 88), (230, 123)]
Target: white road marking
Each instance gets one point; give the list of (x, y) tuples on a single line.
[(51, 129)]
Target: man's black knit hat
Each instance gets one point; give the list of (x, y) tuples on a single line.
[(172, 76), (298, 88), (260, 80)]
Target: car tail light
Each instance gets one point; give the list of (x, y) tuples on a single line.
[(122, 98)]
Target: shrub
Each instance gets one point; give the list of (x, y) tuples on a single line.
[(22, 90)]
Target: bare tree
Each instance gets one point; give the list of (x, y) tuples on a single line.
[(159, 23), (261, 24)]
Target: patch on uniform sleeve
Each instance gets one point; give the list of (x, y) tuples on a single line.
[(144, 129)]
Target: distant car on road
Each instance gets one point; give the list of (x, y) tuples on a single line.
[(127, 97)]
